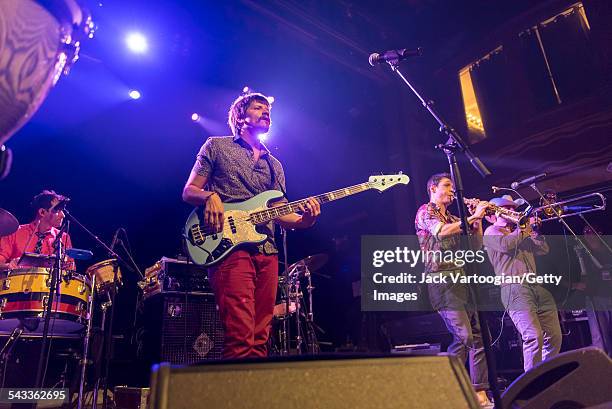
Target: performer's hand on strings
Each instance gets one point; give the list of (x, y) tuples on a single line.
[(213, 214)]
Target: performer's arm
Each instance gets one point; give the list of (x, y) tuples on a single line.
[(194, 193), (496, 240), (475, 222), (6, 248), (540, 246), (69, 262)]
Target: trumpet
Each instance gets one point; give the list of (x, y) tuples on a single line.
[(517, 217)]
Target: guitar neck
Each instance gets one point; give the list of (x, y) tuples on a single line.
[(264, 216)]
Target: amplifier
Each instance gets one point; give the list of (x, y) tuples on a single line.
[(131, 398), (172, 275), (180, 329)]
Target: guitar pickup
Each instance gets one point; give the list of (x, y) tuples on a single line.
[(232, 224), (222, 247), (195, 235)]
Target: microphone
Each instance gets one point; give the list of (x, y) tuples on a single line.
[(115, 237), (61, 204), (495, 189), (528, 181), (394, 55)]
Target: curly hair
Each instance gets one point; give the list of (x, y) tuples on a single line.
[(238, 109)]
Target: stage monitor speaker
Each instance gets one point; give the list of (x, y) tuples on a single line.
[(571, 380), (181, 328), (317, 382)]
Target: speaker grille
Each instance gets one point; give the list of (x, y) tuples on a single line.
[(389, 383), (190, 329)]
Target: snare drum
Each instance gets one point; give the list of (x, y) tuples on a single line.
[(24, 293), (104, 271)]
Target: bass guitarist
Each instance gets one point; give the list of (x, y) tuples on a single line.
[(233, 169)]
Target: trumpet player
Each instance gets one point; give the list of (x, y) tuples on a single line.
[(438, 229), (511, 250)]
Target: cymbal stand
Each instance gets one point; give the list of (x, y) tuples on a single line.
[(285, 330), (295, 295), (311, 336), (282, 334)]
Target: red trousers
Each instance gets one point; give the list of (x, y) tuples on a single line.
[(245, 287)]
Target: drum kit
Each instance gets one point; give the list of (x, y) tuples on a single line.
[(296, 311), (25, 291)]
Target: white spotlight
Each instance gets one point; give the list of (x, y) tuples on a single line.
[(195, 117), (137, 43), (134, 94), (246, 89), (270, 99)]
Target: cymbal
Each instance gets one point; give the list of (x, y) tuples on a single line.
[(8, 223), (314, 262)]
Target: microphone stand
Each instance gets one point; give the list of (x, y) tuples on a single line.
[(567, 227), (107, 334), (454, 144), (55, 277)]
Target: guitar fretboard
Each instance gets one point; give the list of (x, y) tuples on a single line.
[(264, 216)]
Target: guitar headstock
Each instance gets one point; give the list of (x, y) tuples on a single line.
[(384, 182)]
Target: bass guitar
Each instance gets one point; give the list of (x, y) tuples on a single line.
[(241, 219)]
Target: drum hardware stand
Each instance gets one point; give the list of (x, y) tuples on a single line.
[(108, 334), (285, 330), (454, 144), (311, 336), (6, 350), (305, 332), (296, 295)]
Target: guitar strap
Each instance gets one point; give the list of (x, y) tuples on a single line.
[(273, 176)]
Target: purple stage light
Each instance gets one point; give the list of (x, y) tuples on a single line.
[(195, 117), (134, 94), (137, 43)]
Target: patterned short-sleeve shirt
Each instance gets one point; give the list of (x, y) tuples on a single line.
[(428, 223), (227, 163)]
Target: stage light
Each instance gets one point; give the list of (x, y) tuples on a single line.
[(270, 99), (262, 137), (137, 43), (246, 90), (195, 117), (134, 94)]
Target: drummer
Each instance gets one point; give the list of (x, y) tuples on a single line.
[(40, 234)]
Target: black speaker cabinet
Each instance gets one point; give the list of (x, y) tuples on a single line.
[(181, 328), (308, 383), (571, 380)]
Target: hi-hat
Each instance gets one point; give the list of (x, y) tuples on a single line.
[(8, 223)]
